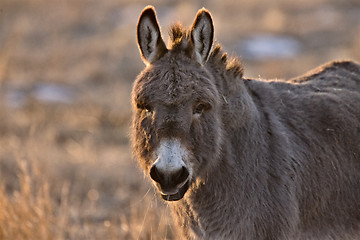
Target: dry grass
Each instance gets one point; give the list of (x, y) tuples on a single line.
[(31, 213), (65, 167), (31, 206)]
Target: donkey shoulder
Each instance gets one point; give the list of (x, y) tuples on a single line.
[(335, 80), (325, 98), (328, 78), (331, 73)]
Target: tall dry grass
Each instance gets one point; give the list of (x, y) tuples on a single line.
[(31, 212), (28, 213)]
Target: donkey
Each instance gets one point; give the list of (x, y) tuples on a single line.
[(239, 158)]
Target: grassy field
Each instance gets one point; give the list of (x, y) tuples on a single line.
[(66, 70)]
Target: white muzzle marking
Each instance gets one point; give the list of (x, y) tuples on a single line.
[(170, 155)]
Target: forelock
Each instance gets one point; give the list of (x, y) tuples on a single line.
[(179, 37)]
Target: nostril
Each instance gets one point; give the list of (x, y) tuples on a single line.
[(155, 174), (181, 175)]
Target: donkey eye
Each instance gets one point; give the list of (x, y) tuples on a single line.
[(200, 108), (148, 108), (144, 106)]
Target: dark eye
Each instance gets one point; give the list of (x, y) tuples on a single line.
[(200, 108), (144, 106)]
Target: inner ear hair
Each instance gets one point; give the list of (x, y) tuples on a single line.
[(202, 35), (150, 42)]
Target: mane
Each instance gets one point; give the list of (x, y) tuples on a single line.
[(180, 39)]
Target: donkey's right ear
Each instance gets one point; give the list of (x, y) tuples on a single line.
[(151, 45)]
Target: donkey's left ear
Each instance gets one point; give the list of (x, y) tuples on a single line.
[(202, 35)]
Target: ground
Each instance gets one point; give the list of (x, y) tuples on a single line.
[(66, 71)]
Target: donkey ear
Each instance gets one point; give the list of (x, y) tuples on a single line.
[(151, 45), (202, 34)]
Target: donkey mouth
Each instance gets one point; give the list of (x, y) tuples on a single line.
[(176, 196)]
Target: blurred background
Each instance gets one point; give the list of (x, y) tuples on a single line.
[(66, 71)]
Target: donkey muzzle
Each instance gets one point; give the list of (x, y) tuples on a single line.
[(169, 172), (172, 185)]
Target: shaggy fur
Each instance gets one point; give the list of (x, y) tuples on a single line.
[(268, 159)]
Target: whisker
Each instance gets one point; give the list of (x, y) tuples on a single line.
[(143, 222)]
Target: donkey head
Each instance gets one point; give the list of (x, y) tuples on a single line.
[(176, 130)]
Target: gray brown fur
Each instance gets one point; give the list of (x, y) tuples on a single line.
[(270, 159)]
